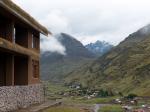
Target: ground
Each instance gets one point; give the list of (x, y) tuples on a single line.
[(66, 109), (58, 102), (111, 108), (106, 104)]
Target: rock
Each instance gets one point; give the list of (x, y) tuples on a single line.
[(14, 97)]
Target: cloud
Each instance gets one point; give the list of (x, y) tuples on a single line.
[(91, 20), (51, 44), (56, 22)]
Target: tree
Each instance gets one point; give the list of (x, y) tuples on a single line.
[(131, 96)]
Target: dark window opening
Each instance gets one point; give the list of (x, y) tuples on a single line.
[(2, 70), (35, 66), (20, 70), (6, 28), (35, 41), (2, 27), (6, 69), (21, 36)]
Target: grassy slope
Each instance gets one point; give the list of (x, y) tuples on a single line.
[(56, 88), (81, 100), (57, 71), (126, 68)]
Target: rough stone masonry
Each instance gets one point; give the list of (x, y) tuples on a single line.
[(15, 97)]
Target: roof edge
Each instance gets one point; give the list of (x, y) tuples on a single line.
[(23, 15)]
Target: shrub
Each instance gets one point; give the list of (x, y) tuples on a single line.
[(131, 96), (105, 93), (121, 94)]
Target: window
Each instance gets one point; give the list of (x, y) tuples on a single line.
[(6, 28), (21, 36), (35, 66), (35, 41)]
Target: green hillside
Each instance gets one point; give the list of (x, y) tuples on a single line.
[(125, 68), (56, 71)]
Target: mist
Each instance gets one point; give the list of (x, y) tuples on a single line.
[(51, 44)]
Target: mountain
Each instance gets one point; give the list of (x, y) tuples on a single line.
[(74, 48), (99, 47), (55, 66), (125, 68)]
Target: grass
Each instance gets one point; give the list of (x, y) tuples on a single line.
[(55, 88), (91, 101), (111, 108), (63, 109), (98, 100)]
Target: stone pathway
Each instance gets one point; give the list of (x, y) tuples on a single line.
[(38, 108), (98, 106)]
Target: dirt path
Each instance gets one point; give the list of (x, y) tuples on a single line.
[(40, 107), (98, 106), (48, 104)]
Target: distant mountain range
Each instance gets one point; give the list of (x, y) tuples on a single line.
[(55, 66), (74, 48), (125, 68), (99, 47)]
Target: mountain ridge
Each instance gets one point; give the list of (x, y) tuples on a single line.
[(125, 68), (99, 47), (55, 66)]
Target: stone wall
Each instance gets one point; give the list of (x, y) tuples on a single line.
[(14, 97)]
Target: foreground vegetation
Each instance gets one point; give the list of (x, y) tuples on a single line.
[(64, 109), (91, 101)]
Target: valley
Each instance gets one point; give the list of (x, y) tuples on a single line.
[(125, 68), (74, 56), (113, 82), (87, 102)]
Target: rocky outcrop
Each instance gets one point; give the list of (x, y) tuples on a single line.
[(15, 97)]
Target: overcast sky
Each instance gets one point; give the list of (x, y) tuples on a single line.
[(90, 20)]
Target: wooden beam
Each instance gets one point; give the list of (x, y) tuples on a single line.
[(15, 48)]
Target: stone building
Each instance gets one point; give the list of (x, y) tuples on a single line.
[(19, 57)]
